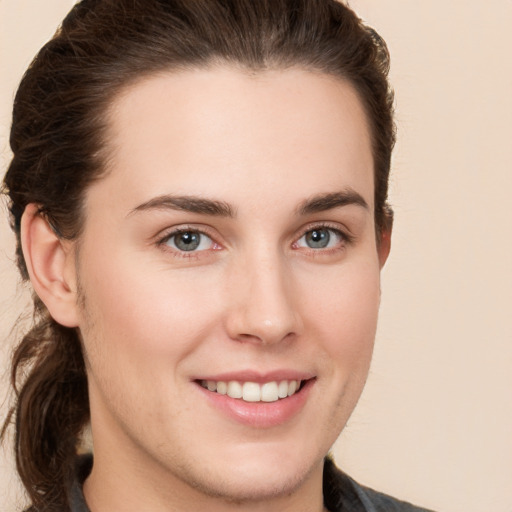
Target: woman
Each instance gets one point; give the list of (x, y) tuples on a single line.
[(198, 190)]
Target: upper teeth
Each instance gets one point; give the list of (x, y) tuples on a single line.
[(252, 391)]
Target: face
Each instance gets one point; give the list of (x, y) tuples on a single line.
[(230, 279)]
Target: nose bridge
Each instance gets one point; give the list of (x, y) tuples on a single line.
[(264, 307)]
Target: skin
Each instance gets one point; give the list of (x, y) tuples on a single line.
[(254, 296)]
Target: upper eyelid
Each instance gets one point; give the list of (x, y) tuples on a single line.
[(334, 226), (167, 233)]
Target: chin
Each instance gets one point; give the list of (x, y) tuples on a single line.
[(241, 484), (260, 477)]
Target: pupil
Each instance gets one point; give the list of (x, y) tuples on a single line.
[(318, 238), (187, 241)]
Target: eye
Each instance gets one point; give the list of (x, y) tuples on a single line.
[(321, 238), (189, 241)]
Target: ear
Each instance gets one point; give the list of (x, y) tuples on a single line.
[(384, 245), (51, 265)]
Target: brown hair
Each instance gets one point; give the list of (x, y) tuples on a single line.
[(58, 138)]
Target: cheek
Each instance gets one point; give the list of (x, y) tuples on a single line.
[(344, 313), (147, 309)]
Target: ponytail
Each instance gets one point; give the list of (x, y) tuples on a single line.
[(51, 410)]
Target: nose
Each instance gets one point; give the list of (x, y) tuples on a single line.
[(262, 302)]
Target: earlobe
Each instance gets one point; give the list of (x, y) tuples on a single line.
[(384, 246), (51, 266)]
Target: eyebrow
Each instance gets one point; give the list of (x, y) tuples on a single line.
[(194, 204), (191, 204), (324, 202)]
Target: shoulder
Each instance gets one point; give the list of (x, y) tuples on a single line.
[(83, 468), (342, 493), (76, 500), (378, 502)]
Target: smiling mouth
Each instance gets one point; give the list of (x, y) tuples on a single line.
[(252, 391)]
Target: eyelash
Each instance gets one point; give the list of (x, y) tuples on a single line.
[(162, 242), (345, 240)]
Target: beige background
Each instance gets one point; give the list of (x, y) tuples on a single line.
[(434, 425)]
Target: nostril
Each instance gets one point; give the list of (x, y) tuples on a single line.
[(265, 337)]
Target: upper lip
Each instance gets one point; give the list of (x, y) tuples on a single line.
[(258, 376)]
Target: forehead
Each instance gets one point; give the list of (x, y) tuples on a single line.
[(200, 130)]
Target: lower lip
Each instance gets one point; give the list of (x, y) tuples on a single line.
[(260, 414)]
